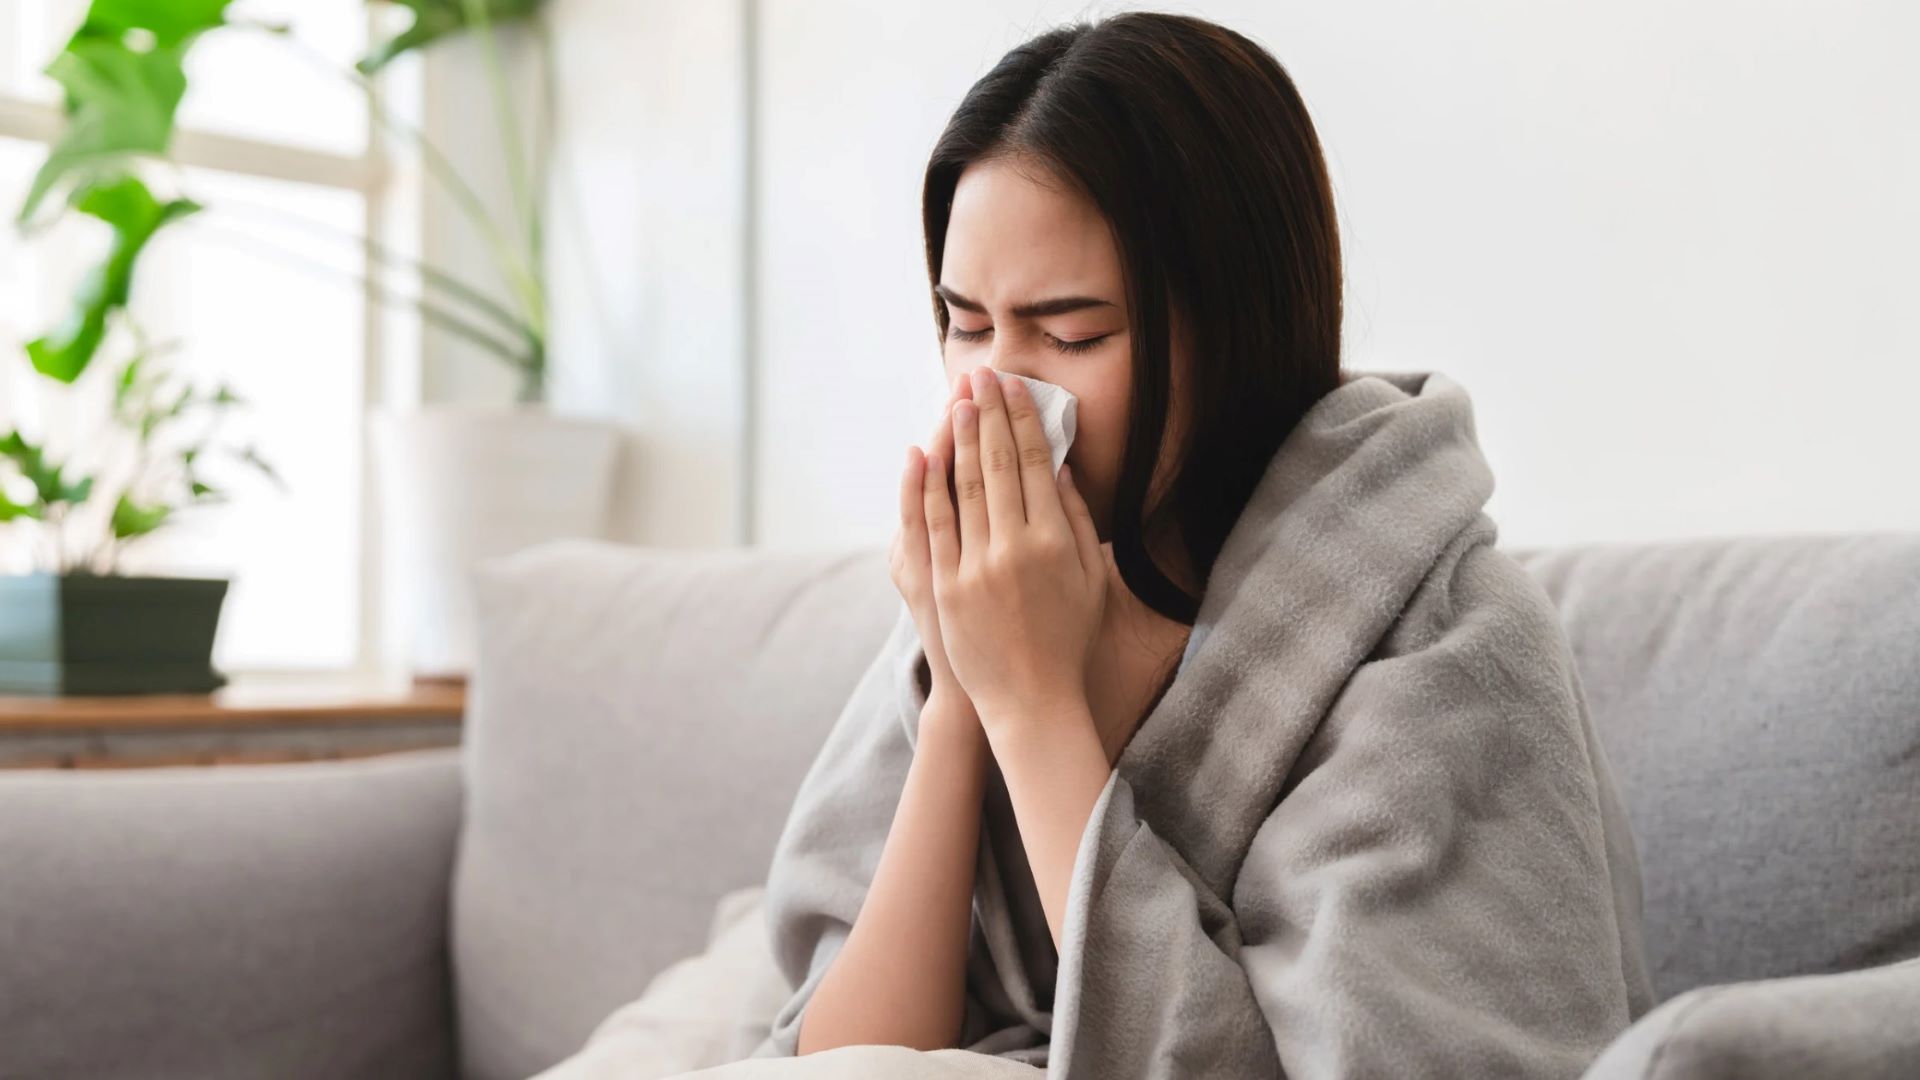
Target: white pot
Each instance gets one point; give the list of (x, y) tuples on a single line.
[(461, 484)]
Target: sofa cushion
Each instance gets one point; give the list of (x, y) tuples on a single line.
[(1862, 1025), (286, 920), (638, 725), (1759, 700)]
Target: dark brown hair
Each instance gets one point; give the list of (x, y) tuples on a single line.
[(1192, 141)]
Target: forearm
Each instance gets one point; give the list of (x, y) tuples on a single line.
[(1055, 769), (900, 979)]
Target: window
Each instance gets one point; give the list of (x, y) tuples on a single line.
[(263, 289)]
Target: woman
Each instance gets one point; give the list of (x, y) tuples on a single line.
[(1237, 748)]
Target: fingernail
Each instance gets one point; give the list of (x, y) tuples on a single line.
[(980, 379), (963, 412)]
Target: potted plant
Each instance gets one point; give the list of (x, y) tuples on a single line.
[(457, 483), (461, 483), (78, 625)]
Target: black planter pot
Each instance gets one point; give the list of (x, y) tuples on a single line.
[(93, 634)]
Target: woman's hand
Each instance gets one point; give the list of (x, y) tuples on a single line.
[(913, 564), (1018, 578)]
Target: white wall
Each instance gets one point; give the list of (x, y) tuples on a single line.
[(1672, 249), (644, 221), (648, 252)]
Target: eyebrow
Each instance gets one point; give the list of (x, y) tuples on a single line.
[(1058, 305)]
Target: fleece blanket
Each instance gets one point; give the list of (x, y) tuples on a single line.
[(703, 1016), (1368, 830)]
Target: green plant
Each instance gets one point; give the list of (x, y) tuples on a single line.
[(161, 454), (437, 19), (518, 262), (123, 76)]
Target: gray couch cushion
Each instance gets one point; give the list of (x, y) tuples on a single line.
[(1861, 1025), (638, 726), (228, 923), (1759, 699)]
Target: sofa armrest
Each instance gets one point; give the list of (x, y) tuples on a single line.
[(1861, 1024), (285, 920)]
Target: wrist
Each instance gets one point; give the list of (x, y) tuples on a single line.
[(950, 717), (1041, 730), (949, 702)]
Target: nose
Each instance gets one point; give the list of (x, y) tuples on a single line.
[(1000, 371), (1013, 358), (1006, 357)]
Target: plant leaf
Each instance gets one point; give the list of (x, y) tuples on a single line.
[(49, 485), (170, 21), (10, 510), (433, 20), (11, 445), (120, 105), (180, 402), (123, 75), (131, 519), (135, 215), (251, 456), (129, 378)]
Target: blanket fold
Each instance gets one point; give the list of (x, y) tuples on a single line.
[(1368, 830)]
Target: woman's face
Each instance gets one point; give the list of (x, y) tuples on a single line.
[(1032, 284)]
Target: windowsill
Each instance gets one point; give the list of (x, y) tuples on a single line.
[(261, 703)]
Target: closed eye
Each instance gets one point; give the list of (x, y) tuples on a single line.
[(1079, 346)]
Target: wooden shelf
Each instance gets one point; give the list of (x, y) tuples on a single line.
[(246, 722), (253, 704)]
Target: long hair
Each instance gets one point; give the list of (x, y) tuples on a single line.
[(1194, 144)]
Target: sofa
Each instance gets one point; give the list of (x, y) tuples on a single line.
[(640, 719)]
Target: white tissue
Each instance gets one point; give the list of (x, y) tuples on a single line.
[(1058, 414)]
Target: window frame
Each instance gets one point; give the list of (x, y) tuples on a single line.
[(390, 192)]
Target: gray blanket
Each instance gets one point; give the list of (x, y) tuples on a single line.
[(1368, 830)]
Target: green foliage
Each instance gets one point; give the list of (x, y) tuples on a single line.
[(157, 405), (436, 19), (123, 73), (170, 429), (169, 21), (135, 215), (50, 486), (131, 520), (517, 259)]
